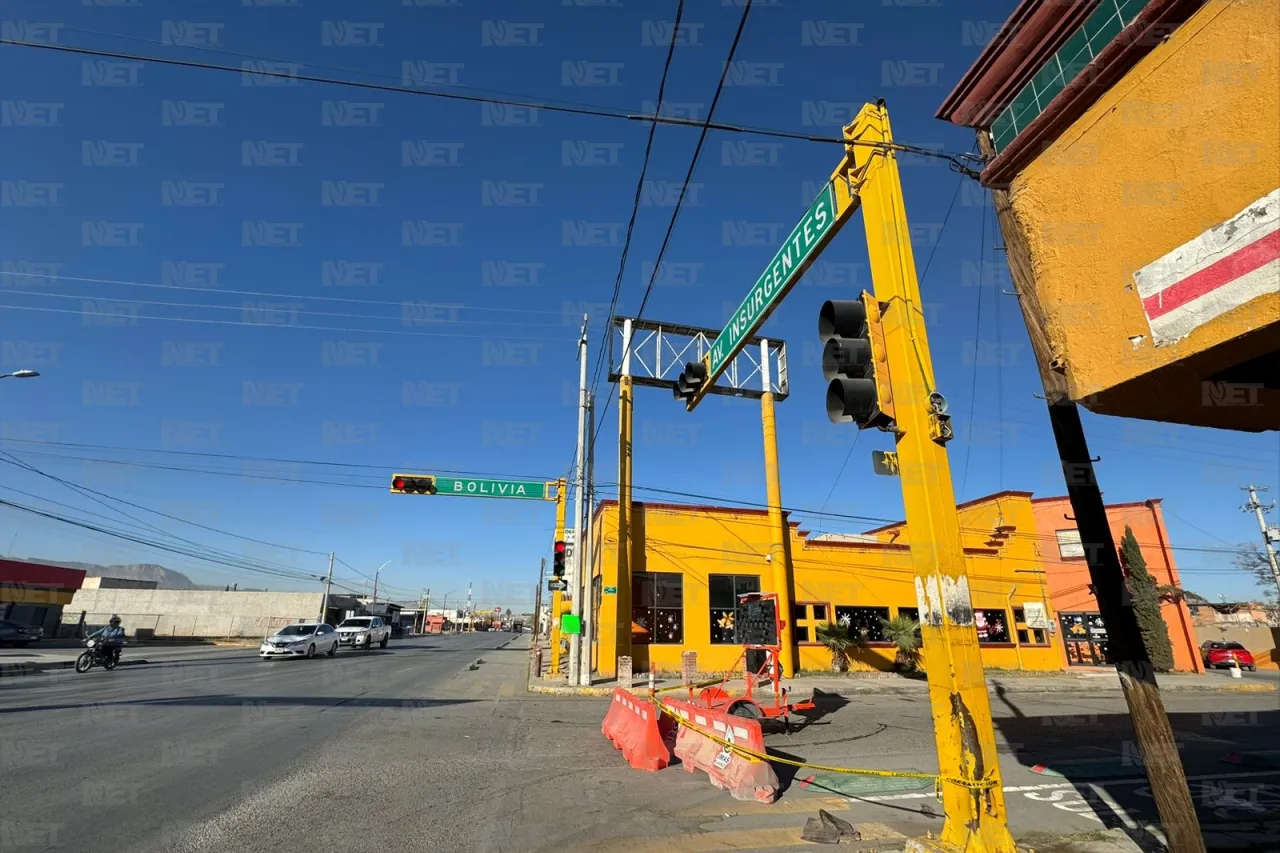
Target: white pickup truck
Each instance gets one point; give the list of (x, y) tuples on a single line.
[(362, 632)]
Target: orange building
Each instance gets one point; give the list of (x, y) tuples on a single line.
[(1062, 555)]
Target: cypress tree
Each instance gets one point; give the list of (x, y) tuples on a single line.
[(1146, 603)]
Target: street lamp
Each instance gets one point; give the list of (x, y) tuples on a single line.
[(20, 374), (375, 579)]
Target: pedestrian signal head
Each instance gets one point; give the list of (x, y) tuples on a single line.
[(413, 484)]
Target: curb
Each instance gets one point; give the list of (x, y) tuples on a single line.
[(550, 690)]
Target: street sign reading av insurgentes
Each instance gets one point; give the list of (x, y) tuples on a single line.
[(527, 489), (788, 265)]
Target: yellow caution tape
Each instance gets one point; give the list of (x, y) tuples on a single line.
[(979, 785)]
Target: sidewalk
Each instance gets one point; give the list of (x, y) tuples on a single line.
[(892, 684)]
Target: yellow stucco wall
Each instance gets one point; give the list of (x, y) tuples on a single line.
[(1187, 139), (699, 542)]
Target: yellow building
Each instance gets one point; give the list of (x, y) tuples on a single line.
[(1139, 141), (690, 563)]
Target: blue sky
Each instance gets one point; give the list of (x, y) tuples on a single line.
[(197, 178)]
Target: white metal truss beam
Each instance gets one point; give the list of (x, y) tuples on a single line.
[(659, 352)]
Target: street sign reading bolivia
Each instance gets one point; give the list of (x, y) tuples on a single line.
[(801, 247), (491, 488)]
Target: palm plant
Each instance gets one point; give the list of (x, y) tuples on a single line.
[(902, 631), (836, 638)]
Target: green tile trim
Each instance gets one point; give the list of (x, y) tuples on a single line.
[(1066, 64)]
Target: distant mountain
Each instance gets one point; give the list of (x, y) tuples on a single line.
[(164, 578)]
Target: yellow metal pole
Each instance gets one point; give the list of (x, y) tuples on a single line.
[(557, 598), (777, 525), (623, 595), (975, 817)]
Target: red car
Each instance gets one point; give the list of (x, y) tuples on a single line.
[(1217, 654)]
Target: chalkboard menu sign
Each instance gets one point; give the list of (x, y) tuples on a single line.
[(757, 623)]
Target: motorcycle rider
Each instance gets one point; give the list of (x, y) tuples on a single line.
[(110, 637)]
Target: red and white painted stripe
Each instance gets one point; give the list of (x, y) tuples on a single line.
[(1227, 266)]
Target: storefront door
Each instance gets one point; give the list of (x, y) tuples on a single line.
[(1085, 639)]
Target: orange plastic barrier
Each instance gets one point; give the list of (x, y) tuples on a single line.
[(637, 728), (745, 778)]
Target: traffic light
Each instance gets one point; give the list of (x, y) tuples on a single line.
[(557, 562), (689, 381), (855, 361), (413, 484)]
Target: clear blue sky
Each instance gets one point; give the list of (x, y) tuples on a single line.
[(501, 349)]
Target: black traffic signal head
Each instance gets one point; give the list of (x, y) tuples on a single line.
[(557, 562), (413, 484), (854, 361), (690, 380)]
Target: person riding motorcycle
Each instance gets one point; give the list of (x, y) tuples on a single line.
[(110, 638)]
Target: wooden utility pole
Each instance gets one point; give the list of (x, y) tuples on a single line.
[(1133, 665)]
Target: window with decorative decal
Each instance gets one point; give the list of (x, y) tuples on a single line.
[(657, 608), (865, 624), (723, 592), (992, 625)]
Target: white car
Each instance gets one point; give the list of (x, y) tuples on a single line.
[(362, 632), (300, 640)]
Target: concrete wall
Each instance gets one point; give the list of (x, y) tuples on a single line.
[(194, 613), (1260, 640)]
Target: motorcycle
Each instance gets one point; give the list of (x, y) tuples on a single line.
[(98, 653)]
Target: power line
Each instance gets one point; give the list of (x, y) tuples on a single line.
[(675, 213), (635, 203), (958, 161), (160, 546), (400, 466), (344, 315), (282, 325), (162, 514), (97, 497)]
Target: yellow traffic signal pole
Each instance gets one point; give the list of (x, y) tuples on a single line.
[(972, 799), (557, 597), (777, 526)]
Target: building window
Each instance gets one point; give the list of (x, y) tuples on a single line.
[(1097, 31), (1069, 544), (805, 619), (864, 623), (992, 625), (912, 613), (1028, 636), (724, 591), (657, 608)]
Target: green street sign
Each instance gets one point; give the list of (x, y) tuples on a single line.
[(610, 590), (799, 250), (472, 488)]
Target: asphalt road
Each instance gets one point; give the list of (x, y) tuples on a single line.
[(214, 751), (184, 754)]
